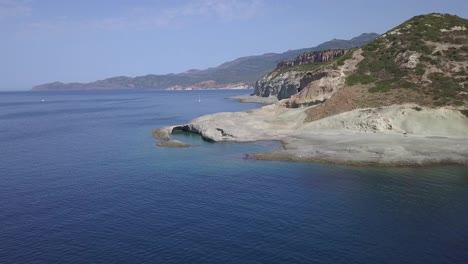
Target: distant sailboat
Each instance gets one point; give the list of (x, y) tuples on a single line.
[(199, 99)]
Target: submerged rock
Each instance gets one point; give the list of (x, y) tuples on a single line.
[(173, 144), (162, 133)]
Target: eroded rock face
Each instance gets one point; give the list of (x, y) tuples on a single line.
[(287, 84), (282, 85), (295, 84), (305, 87), (317, 87), (318, 90), (313, 57)]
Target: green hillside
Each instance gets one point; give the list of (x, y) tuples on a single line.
[(428, 53)]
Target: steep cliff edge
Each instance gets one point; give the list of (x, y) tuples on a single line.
[(291, 77)]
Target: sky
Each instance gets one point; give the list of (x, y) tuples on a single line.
[(81, 41)]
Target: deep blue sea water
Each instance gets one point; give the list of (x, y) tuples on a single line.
[(81, 181)]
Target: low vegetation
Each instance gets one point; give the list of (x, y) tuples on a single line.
[(464, 112), (428, 53), (359, 78)]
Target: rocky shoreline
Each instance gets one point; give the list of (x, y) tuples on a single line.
[(399, 135), (248, 98)]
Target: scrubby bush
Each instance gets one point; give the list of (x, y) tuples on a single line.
[(358, 78)]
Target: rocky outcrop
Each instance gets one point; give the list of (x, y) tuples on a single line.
[(313, 57), (173, 144), (304, 88), (282, 85), (290, 83), (396, 135), (317, 90), (322, 85), (286, 81)]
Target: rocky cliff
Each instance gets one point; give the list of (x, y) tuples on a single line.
[(313, 57), (243, 71), (291, 77)]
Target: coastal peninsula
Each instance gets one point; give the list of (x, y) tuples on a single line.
[(402, 99)]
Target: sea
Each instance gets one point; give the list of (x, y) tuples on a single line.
[(82, 181)]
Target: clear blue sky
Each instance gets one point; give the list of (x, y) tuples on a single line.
[(68, 40)]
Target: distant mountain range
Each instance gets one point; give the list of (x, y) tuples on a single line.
[(241, 72)]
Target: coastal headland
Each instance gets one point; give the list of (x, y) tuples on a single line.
[(401, 99)]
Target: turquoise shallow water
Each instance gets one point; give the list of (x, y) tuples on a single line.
[(81, 181)]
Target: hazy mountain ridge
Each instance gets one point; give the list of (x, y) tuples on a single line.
[(241, 71)]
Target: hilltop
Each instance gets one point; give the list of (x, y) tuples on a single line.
[(422, 61), (427, 54), (240, 72)]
